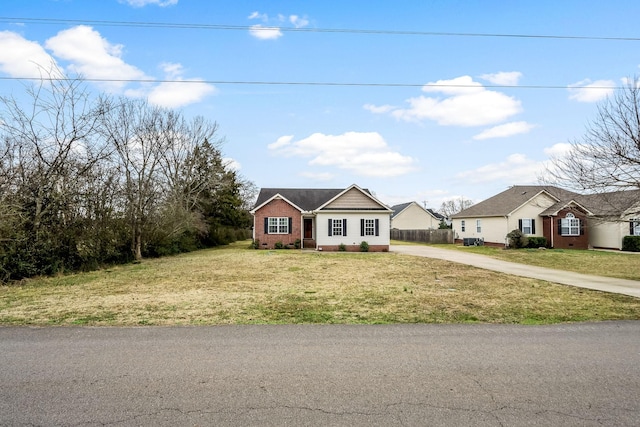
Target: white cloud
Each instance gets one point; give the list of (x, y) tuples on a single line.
[(361, 153), (142, 3), (381, 109), (505, 130), (283, 141), (232, 164), (516, 169), (272, 32), (504, 78), (265, 33), (558, 150), (465, 103), (257, 15), (588, 91), (20, 57), (298, 22), (92, 56), (180, 91)]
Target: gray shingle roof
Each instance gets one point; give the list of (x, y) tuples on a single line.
[(402, 206), (399, 208), (307, 199), (506, 202)]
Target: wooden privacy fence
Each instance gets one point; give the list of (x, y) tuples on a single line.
[(425, 236)]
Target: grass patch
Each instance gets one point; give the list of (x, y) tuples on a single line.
[(621, 265), (234, 285)]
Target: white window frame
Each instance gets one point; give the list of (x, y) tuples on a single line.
[(636, 226), (478, 226), (527, 226), (462, 226), (570, 225), (336, 227), (369, 227), (278, 225)]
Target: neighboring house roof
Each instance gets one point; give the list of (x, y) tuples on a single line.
[(397, 209), (436, 214), (308, 199), (615, 203), (511, 199), (601, 204), (554, 209)]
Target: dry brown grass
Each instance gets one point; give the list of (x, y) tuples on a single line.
[(235, 285)]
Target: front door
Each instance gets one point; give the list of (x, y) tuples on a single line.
[(308, 228)]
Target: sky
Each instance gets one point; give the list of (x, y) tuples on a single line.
[(415, 100)]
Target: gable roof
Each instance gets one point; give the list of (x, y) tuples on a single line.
[(397, 209), (509, 200), (308, 199), (615, 203)]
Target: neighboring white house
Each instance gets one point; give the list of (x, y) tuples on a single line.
[(412, 216), (566, 219)]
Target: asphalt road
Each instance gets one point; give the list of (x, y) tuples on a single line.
[(320, 375)]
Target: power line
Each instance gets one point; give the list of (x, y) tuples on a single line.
[(344, 84), (194, 26)]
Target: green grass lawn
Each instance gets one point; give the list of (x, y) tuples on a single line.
[(236, 285), (623, 265)]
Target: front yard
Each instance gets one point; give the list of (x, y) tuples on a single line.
[(236, 285)]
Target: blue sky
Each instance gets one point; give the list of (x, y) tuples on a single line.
[(446, 115)]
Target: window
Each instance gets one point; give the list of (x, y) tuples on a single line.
[(462, 226), (337, 227), (369, 227), (278, 225), (570, 225), (478, 226), (634, 227), (527, 226)]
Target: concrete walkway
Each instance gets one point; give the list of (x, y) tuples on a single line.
[(605, 284)]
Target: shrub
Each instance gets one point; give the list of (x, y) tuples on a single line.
[(255, 244), (517, 240), (537, 242), (364, 247), (342, 247), (631, 243), (279, 245), (297, 244)]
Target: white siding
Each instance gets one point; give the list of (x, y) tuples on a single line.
[(353, 236), (414, 218), (608, 235)]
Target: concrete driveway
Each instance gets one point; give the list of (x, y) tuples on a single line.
[(605, 284)]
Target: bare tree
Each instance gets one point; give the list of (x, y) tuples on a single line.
[(607, 157), (135, 131), (453, 206)]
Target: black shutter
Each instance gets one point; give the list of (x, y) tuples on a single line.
[(581, 226), (377, 227), (362, 227), (559, 227), (344, 227), (520, 224), (631, 228), (266, 225), (290, 225), (533, 226), (330, 226)]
